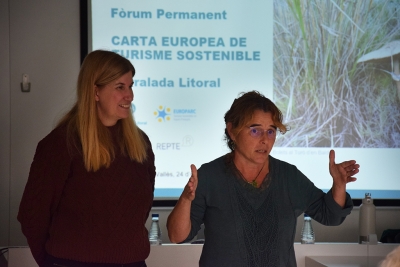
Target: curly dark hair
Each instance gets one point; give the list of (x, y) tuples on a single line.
[(242, 110)]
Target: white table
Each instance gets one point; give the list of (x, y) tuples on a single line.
[(343, 261), (187, 255)]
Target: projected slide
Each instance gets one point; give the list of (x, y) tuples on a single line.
[(193, 58)]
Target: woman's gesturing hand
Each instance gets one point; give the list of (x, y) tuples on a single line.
[(342, 173), (190, 188)]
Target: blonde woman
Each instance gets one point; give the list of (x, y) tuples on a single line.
[(91, 182)]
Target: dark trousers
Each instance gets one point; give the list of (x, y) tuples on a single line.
[(57, 262)]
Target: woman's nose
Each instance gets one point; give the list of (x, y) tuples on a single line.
[(129, 96), (264, 137)]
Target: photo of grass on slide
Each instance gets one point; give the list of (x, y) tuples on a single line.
[(336, 72)]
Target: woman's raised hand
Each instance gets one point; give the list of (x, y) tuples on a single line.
[(190, 188)]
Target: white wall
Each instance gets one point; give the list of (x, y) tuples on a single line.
[(43, 41), (4, 122), (41, 38)]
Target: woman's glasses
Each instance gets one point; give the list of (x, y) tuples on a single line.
[(257, 132)]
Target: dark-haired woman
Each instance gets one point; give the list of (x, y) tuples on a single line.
[(249, 201)]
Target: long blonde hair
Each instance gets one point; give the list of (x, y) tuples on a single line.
[(100, 68)]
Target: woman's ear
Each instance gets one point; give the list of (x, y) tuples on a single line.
[(96, 93), (229, 129)]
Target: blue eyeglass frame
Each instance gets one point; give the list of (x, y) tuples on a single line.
[(260, 132)]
